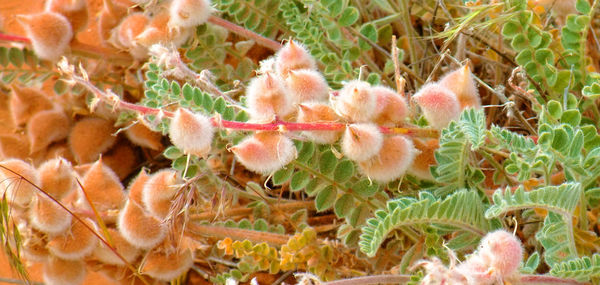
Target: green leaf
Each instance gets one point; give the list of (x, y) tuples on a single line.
[(349, 16), (325, 198), (554, 109), (520, 42), (583, 6), (16, 57), (282, 175), (531, 264), (299, 180), (571, 117), (370, 32), (188, 92), (343, 205), (511, 29), (60, 87), (544, 56), (365, 188), (327, 162), (343, 171), (472, 123), (306, 152)]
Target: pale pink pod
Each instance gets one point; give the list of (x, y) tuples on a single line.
[(293, 56), (265, 152), (462, 83), (307, 85), (392, 108), (395, 156), (49, 32), (189, 13), (502, 252), (315, 112), (439, 105), (267, 97), (356, 102), (361, 141), (191, 132)]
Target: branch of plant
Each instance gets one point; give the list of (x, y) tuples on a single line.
[(263, 41), (401, 279)]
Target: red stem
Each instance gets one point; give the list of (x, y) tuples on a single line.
[(263, 41), (14, 38), (401, 279)]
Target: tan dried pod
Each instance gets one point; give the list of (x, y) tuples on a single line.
[(267, 97), (307, 85), (439, 105), (49, 32), (121, 159), (124, 35), (167, 264), (76, 242), (191, 132), (424, 159), (189, 13), (14, 146), (90, 137), (111, 14), (57, 177), (394, 158), (265, 152), (34, 244), (47, 216), (63, 272), (136, 187), (144, 137), (139, 228), (356, 102), (47, 127), (392, 108), (361, 141), (159, 32), (17, 190), (158, 192), (314, 112), (293, 56), (76, 12), (462, 83), (102, 187), (121, 245), (26, 102)]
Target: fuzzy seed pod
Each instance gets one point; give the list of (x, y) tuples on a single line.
[(268, 97), (110, 15), (18, 191), (158, 191), (475, 271), (75, 243), (138, 228), (502, 252), (265, 152), (124, 35), (123, 247), (191, 132), (136, 187), (48, 217), (103, 188), (90, 137), (313, 112), (143, 136), (158, 31), (121, 159), (49, 32), (57, 177), (189, 13), (14, 146), (307, 85), (47, 127), (26, 102), (356, 102), (75, 11), (424, 159), (392, 108), (293, 56), (361, 141), (34, 244), (166, 266), (64, 272), (462, 83), (439, 105), (394, 158)]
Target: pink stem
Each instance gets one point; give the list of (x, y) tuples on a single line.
[(545, 279), (401, 279), (14, 38), (266, 42)]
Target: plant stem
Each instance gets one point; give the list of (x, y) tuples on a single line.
[(373, 279), (266, 42), (237, 234)]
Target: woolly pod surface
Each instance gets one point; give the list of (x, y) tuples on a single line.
[(75, 243), (143, 136), (356, 102), (47, 216), (361, 141), (57, 177), (424, 159), (267, 97), (313, 112), (47, 127), (475, 271), (64, 272), (265, 152), (502, 252), (90, 137), (14, 146), (462, 83), (124, 35), (17, 190), (112, 12), (34, 244), (75, 11), (138, 228), (307, 85), (158, 31), (167, 265), (26, 102), (103, 188), (158, 191), (293, 56), (121, 159), (394, 158), (121, 245), (439, 105), (49, 32), (136, 187), (189, 13), (392, 108), (191, 132)]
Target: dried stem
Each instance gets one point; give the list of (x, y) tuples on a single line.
[(401, 279), (237, 234), (266, 42)]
